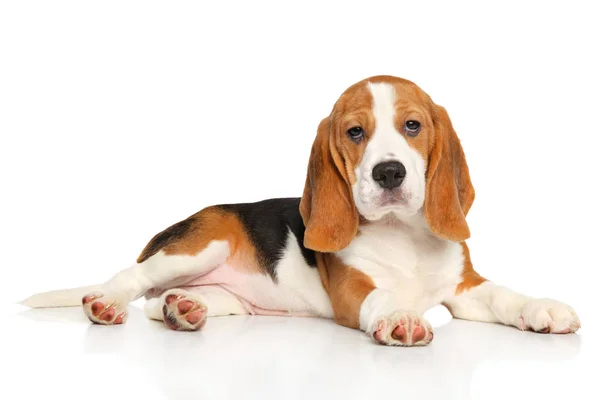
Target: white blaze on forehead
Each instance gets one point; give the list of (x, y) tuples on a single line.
[(386, 143), (384, 99)]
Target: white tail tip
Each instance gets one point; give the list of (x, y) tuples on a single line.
[(59, 298)]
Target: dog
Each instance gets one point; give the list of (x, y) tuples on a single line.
[(377, 238)]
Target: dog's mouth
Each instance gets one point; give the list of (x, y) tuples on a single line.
[(393, 199)]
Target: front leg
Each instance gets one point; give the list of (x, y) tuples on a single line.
[(477, 299), (357, 303), (488, 302)]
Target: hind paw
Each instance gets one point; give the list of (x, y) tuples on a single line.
[(104, 310), (182, 311)]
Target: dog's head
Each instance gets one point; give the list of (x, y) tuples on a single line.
[(386, 150)]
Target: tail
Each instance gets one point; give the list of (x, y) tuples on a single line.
[(59, 298)]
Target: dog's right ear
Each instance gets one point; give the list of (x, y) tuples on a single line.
[(327, 206)]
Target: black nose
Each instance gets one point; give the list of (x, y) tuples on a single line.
[(389, 174)]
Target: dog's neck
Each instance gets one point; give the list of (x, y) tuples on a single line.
[(415, 224)]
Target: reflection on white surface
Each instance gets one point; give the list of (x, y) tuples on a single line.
[(285, 358)]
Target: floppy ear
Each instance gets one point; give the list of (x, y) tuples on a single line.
[(327, 206), (449, 192)]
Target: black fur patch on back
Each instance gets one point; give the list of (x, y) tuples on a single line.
[(268, 224), (166, 237)]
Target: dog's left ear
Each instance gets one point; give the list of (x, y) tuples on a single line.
[(449, 191), (327, 206)]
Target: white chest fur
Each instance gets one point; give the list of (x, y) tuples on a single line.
[(419, 269)]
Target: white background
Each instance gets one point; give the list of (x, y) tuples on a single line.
[(120, 118)]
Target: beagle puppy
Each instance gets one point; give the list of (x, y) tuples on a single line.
[(377, 238)]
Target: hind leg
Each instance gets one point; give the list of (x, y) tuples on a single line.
[(108, 306), (188, 309)]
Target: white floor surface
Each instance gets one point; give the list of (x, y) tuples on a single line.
[(57, 353)]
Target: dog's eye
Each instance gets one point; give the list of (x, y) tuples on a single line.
[(412, 127), (356, 133)]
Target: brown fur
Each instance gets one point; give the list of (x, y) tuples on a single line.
[(347, 288), (327, 205), (210, 224), (449, 193), (470, 278)]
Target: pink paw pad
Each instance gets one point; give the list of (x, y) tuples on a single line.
[(105, 312), (120, 319), (97, 308), (403, 329), (399, 333), (107, 315), (171, 298), (195, 317), (88, 299), (185, 306), (183, 313), (418, 334)]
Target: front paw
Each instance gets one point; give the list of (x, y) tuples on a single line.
[(402, 328), (549, 316)]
